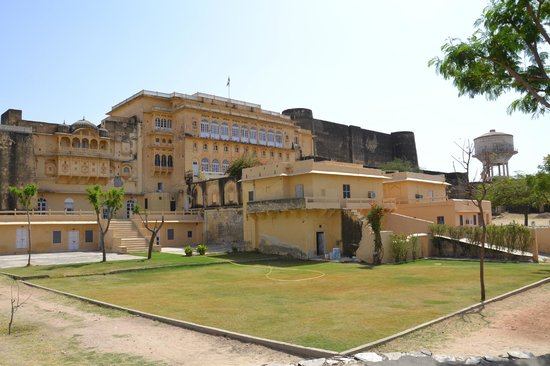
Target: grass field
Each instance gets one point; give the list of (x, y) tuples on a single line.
[(327, 305)]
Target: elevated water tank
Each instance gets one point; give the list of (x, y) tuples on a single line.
[(494, 149)]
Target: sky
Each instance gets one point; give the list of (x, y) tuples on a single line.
[(361, 63)]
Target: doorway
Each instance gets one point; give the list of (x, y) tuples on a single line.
[(74, 239), (129, 208), (21, 238), (320, 243)]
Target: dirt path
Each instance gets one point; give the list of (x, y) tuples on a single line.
[(52, 330), (520, 322)]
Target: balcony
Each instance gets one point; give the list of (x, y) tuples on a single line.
[(310, 203), (49, 216)]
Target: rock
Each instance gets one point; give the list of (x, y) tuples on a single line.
[(369, 357), (520, 355), (416, 354), (276, 364), (444, 358), (313, 362), (340, 360), (427, 352), (393, 356), (472, 360), (495, 358)]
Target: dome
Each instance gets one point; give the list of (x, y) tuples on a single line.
[(103, 132), (83, 124), (493, 133)]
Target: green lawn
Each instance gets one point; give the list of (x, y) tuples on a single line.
[(327, 305), (157, 260)]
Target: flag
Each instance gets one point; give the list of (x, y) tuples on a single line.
[(228, 81)]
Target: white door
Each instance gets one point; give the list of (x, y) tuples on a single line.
[(129, 208), (299, 190), (74, 239), (21, 238)]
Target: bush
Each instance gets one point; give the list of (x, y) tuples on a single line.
[(201, 249), (414, 243), (399, 247), (188, 251)]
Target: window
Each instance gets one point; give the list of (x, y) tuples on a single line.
[(371, 194), (280, 155), (126, 170), (157, 160), (440, 220), (235, 133), (89, 236), (205, 132), (163, 160), (56, 237), (215, 148), (225, 165), (244, 134), (236, 149), (251, 195), (279, 139), (475, 219), (215, 130), (69, 205), (170, 234), (205, 147), (195, 168), (262, 137), (170, 161), (160, 187), (163, 124), (225, 148), (225, 132), (418, 196), (271, 154), (194, 124), (42, 204), (461, 220), (253, 135), (205, 165), (146, 203), (263, 153), (189, 234), (346, 190), (215, 166), (270, 138)]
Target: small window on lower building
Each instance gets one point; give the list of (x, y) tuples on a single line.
[(371, 194), (190, 234), (89, 236), (170, 234), (440, 220), (346, 191), (251, 195), (56, 239)]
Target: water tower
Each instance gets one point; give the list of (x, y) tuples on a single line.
[(494, 149)]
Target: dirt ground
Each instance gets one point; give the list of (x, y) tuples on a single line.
[(540, 219), (518, 323), (51, 330)]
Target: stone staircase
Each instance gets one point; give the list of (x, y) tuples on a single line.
[(126, 237)]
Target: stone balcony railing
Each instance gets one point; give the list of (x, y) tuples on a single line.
[(324, 203), (49, 215)]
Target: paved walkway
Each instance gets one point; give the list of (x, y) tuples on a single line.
[(20, 260)]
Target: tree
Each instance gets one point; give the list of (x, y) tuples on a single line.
[(507, 52), (545, 167), (108, 200), (235, 169), (400, 165), (477, 192), (153, 228), (24, 197), (375, 221), (521, 193)]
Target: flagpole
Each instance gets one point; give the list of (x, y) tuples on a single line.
[(228, 87)]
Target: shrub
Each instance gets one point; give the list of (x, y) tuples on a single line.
[(201, 249), (414, 243), (399, 247), (188, 251)]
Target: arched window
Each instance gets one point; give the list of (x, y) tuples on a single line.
[(214, 130), (126, 170), (85, 144), (225, 165), (170, 161), (205, 165), (76, 143), (157, 160), (270, 138), (163, 160), (279, 139), (215, 166), (69, 205), (262, 137), (225, 131), (244, 134), (157, 123), (205, 132), (93, 144), (65, 142), (235, 133), (253, 135)]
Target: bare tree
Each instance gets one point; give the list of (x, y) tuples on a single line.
[(153, 228), (16, 303), (24, 196), (476, 191)]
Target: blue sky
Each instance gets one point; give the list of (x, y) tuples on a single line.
[(355, 62)]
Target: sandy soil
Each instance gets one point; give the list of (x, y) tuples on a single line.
[(105, 332), (518, 323), (542, 219)]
